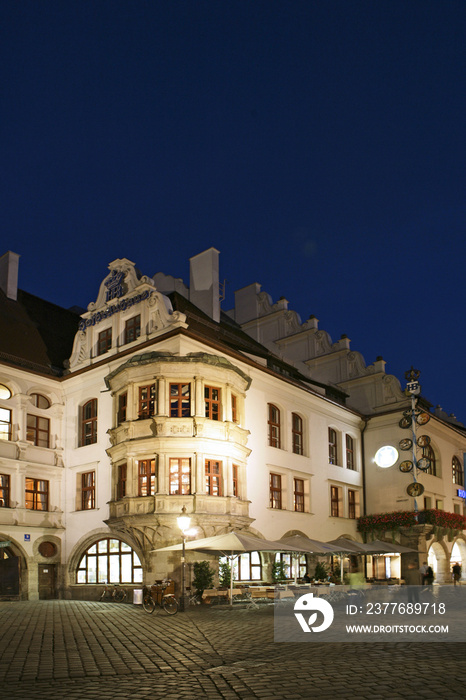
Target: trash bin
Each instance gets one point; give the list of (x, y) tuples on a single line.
[(137, 596)]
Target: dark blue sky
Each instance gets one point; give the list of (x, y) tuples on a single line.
[(319, 145)]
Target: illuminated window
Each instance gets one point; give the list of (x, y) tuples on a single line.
[(104, 342), (213, 477), (180, 400), (274, 426), (212, 402), (350, 452), (332, 446), (88, 491), (4, 490), (146, 477), (286, 561), (353, 504), (298, 495), (246, 567), (89, 423), (146, 401), (37, 494), (180, 476), (457, 471), (275, 491), (121, 483), (38, 430), (5, 424), (132, 329), (5, 393), (109, 561), (297, 433), (122, 403)]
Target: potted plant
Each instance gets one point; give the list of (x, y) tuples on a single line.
[(278, 571), (203, 577), (224, 574)]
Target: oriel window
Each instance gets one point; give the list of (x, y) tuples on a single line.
[(146, 401), (121, 484), (180, 400), (146, 477), (213, 477), (180, 476), (212, 402)]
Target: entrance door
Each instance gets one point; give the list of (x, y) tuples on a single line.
[(9, 577), (46, 581)]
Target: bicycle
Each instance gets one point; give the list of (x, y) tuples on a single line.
[(114, 592), (154, 596)]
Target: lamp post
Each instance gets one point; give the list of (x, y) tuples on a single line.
[(184, 522)]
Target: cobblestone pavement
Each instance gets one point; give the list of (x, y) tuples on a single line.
[(80, 650)]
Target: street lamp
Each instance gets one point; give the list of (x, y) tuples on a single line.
[(184, 522)]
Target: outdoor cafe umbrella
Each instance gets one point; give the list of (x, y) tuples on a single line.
[(230, 545), (379, 547), (301, 543)]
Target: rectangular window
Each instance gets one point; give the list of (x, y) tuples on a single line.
[(213, 477), (275, 491), (234, 409), (427, 502), (89, 423), (297, 433), (5, 424), (457, 508), (146, 401), (132, 329), (104, 342), (122, 403), (88, 491), (335, 501), (180, 400), (299, 495), (212, 402), (38, 430), (121, 485), (350, 452), (37, 494), (353, 504), (146, 477), (235, 480), (439, 504), (180, 476), (332, 446), (4, 491)]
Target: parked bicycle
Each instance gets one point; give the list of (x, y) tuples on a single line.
[(114, 592), (155, 596)]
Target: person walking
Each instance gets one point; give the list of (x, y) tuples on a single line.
[(456, 571)]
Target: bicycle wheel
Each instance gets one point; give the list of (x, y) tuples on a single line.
[(148, 603), (170, 605), (120, 595)]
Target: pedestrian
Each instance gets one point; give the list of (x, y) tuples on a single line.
[(429, 577), (422, 573), (456, 571), (412, 581)]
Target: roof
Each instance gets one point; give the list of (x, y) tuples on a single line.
[(36, 334)]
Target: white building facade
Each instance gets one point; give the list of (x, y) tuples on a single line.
[(153, 399)]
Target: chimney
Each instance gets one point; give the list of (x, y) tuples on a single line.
[(204, 289), (9, 263)]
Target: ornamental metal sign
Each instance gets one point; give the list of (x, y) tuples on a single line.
[(5, 543)]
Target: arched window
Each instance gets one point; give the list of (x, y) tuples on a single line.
[(428, 452), (89, 423), (457, 471), (109, 561), (274, 426), (297, 433), (332, 446)]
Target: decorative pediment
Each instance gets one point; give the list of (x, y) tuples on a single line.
[(121, 281)]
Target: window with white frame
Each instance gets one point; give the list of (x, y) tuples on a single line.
[(297, 433), (353, 504), (332, 446), (109, 561), (350, 460), (336, 502), (274, 425)]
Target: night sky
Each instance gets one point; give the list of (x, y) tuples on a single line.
[(318, 145)]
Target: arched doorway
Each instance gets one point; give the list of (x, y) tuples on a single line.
[(13, 571), (437, 559)]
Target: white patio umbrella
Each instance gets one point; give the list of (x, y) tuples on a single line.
[(230, 545), (301, 543), (380, 547)]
